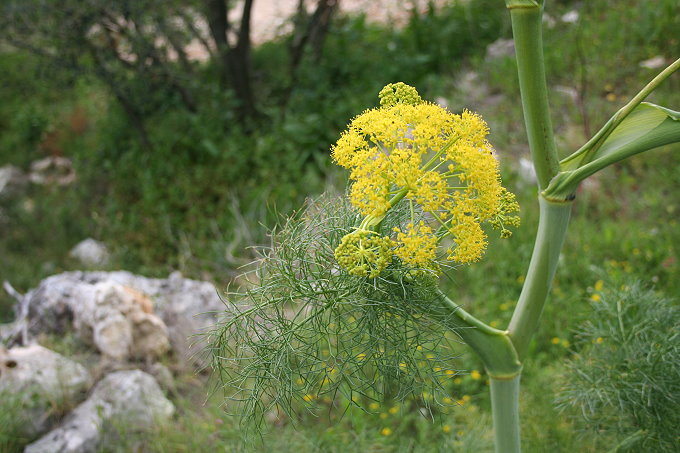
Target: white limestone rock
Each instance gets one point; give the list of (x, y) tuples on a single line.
[(500, 48), (181, 308), (132, 397), (53, 170), (42, 380), (91, 253), (11, 180), (120, 323), (570, 17)]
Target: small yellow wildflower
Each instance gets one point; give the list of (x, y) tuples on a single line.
[(450, 372), (393, 410), (464, 400), (598, 340), (386, 431), (555, 340), (595, 297), (446, 429), (308, 397), (475, 375), (374, 406), (599, 285), (447, 400)]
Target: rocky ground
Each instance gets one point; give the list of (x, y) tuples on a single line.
[(140, 332)]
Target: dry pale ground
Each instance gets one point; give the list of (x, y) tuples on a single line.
[(270, 18)]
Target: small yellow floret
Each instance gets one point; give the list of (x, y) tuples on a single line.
[(417, 246)]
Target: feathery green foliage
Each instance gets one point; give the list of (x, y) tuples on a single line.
[(308, 331), (626, 378)]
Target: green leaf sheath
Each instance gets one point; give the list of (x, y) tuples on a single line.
[(493, 346), (513, 4), (585, 154), (648, 126)]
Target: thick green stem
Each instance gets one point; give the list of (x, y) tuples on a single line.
[(505, 407), (526, 28), (552, 228)]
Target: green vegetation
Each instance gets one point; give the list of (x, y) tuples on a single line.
[(625, 376), (199, 198)]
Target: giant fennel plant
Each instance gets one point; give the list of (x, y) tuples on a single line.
[(346, 301)]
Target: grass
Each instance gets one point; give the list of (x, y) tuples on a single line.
[(172, 211)]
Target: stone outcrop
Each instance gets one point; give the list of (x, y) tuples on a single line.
[(132, 398), (52, 170), (119, 322), (131, 321), (42, 380), (90, 252), (12, 180), (124, 315)]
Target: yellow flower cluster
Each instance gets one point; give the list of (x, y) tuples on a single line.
[(440, 162)]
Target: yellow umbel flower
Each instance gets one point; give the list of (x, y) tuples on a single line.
[(439, 162), (364, 253)]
